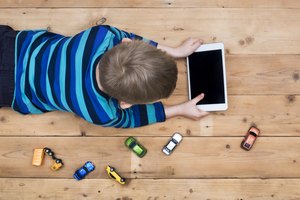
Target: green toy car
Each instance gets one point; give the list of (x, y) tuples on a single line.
[(136, 147)]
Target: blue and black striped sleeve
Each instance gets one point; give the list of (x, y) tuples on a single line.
[(120, 34), (137, 115)]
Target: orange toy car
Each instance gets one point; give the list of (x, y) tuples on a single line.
[(250, 138)]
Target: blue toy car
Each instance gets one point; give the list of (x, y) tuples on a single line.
[(84, 170)]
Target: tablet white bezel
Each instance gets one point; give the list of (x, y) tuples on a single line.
[(211, 107)]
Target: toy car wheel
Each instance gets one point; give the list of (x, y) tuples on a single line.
[(58, 161), (47, 150), (122, 179), (112, 169)]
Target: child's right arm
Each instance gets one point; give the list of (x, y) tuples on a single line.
[(187, 109)]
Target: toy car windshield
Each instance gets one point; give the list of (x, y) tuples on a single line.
[(132, 144), (136, 147), (84, 170), (253, 133), (170, 146), (114, 175)]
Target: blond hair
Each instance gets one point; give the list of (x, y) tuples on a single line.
[(136, 72)]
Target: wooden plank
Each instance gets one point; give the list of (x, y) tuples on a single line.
[(154, 3), (54, 124), (213, 157), (275, 115), (254, 74), (271, 75), (255, 189), (243, 31), (74, 152)]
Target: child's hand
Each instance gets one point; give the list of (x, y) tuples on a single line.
[(188, 109), (187, 47)]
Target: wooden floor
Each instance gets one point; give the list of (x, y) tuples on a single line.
[(262, 40)]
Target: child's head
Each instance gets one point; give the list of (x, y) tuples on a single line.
[(136, 72)]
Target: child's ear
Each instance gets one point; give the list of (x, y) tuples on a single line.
[(126, 40), (125, 105)]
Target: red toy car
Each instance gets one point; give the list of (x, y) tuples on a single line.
[(250, 138)]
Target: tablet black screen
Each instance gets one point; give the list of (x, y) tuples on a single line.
[(206, 75)]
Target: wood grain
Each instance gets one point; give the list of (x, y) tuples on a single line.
[(275, 115), (213, 157), (148, 189), (243, 31), (54, 124), (154, 3)]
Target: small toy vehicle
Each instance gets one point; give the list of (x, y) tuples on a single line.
[(57, 165), (136, 147), (38, 156), (250, 138), (175, 140), (57, 162), (84, 170), (114, 175)]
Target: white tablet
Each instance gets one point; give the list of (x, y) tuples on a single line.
[(207, 74)]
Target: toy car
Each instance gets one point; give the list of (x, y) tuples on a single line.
[(114, 175), (136, 147), (250, 138), (38, 156), (84, 170), (57, 165), (175, 140)]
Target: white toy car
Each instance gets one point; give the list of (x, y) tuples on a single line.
[(175, 140)]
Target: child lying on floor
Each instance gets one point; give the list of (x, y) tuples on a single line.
[(106, 76)]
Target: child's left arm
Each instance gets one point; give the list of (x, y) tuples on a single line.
[(120, 35), (186, 48)]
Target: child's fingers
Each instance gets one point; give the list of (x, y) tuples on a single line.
[(197, 44), (198, 98), (198, 41), (200, 114), (126, 40), (203, 113)]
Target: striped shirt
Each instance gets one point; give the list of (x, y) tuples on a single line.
[(55, 72)]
